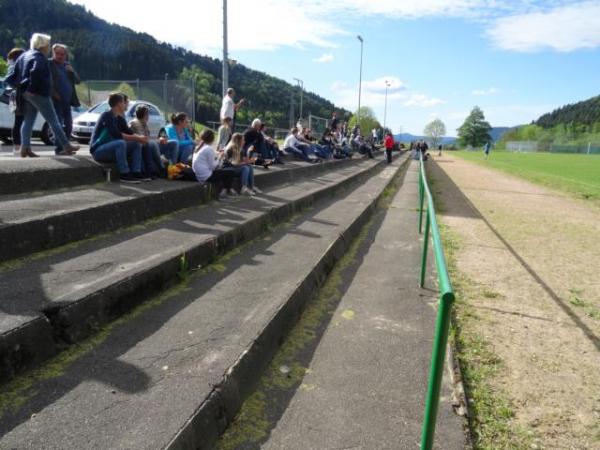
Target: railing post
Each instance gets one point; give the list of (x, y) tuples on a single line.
[(421, 199), (437, 370), (425, 250)]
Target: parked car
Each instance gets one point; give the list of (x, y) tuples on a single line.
[(41, 129), (83, 127)]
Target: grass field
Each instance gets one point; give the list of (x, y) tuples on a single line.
[(576, 174)]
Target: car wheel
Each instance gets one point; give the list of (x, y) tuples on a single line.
[(47, 134), (6, 140)]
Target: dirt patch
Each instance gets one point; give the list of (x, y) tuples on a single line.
[(533, 253)]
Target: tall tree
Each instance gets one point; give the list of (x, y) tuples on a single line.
[(475, 131), (435, 131), (367, 122)]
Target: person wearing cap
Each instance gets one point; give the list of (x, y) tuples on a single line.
[(31, 75)]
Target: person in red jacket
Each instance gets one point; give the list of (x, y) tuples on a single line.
[(389, 145)]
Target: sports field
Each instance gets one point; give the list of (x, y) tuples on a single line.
[(577, 174)]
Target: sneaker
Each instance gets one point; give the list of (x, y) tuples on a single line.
[(129, 178), (142, 177), (65, 153), (232, 193), (246, 191), (72, 148), (256, 190)]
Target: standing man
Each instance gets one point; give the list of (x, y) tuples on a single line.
[(229, 107), (389, 146), (333, 124), (64, 79)]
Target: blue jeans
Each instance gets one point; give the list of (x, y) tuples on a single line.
[(320, 151), (170, 150), (300, 152), (247, 176), (186, 153), (65, 118), (118, 151), (32, 104)]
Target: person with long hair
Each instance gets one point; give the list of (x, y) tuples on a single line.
[(234, 157), (178, 132), (205, 165)]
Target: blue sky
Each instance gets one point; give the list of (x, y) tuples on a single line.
[(514, 59)]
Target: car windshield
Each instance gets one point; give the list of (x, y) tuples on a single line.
[(100, 108)]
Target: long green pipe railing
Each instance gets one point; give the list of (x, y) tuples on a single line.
[(442, 325)]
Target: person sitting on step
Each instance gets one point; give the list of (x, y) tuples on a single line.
[(293, 146), (206, 166), (234, 157), (178, 132), (108, 144)]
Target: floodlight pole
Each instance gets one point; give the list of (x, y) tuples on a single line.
[(359, 37), (387, 84), (225, 52), (301, 84)]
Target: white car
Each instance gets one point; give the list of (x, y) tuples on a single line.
[(83, 127), (40, 127)]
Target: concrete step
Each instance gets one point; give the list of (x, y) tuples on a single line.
[(51, 301), (44, 174), (31, 223), (366, 379), (173, 373)]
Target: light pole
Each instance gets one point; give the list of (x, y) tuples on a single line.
[(225, 53), (387, 85), (301, 84), (359, 37)]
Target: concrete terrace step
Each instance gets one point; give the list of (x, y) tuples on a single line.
[(49, 302), (173, 375), (44, 174), (31, 223)]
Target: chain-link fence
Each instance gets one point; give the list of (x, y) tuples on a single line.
[(590, 148), (317, 124), (275, 133), (522, 146), (169, 96)]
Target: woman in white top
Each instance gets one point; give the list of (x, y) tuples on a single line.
[(235, 158), (205, 164)]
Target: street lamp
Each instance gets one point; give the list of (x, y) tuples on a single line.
[(301, 84), (359, 37), (387, 85), (225, 56)]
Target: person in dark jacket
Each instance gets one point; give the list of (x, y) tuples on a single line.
[(31, 75), (16, 102), (64, 96), (255, 144)]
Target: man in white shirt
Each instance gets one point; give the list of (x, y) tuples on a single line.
[(293, 146), (229, 107)]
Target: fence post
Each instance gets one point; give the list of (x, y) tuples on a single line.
[(437, 370), (589, 145), (425, 249)]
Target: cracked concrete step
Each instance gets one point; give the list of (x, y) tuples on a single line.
[(32, 223), (173, 375), (44, 174), (49, 302)]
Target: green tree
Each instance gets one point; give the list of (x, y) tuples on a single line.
[(3, 67), (368, 120), (435, 131), (475, 131)]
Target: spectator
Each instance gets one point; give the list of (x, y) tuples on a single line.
[(158, 149), (108, 144), (229, 108), (254, 144), (16, 102), (294, 147), (333, 123), (206, 165), (224, 133), (64, 95), (389, 146), (272, 147), (315, 149), (341, 144), (486, 149), (31, 75), (178, 132), (374, 135), (362, 146), (234, 158)]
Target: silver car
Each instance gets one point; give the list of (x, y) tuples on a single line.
[(84, 125)]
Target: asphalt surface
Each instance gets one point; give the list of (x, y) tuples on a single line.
[(365, 386), (143, 381)]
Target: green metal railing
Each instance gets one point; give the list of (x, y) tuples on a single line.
[(445, 306)]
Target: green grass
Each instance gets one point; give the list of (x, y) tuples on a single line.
[(576, 174)]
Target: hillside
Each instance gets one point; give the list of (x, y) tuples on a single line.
[(101, 50), (586, 112)]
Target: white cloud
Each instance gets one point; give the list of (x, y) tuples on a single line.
[(563, 28), (482, 92), (422, 101), (324, 58)]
